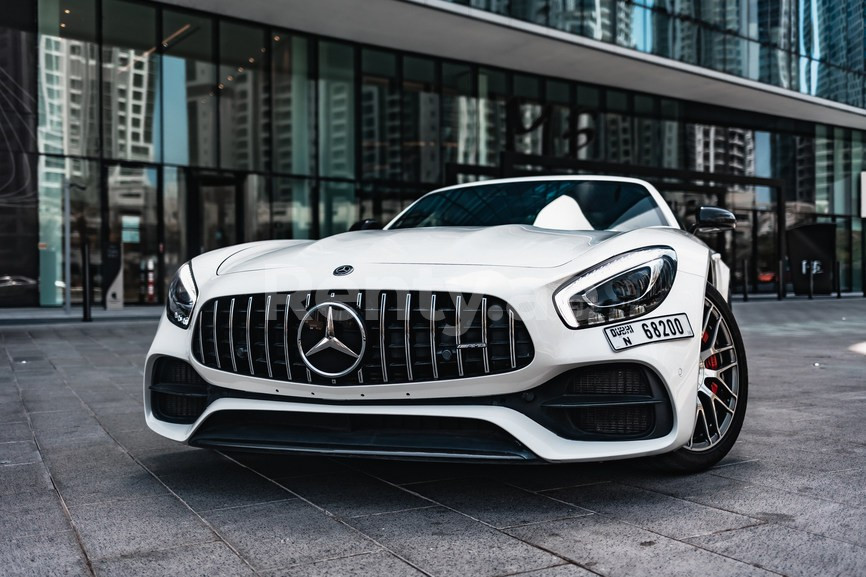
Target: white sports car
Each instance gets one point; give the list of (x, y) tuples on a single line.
[(553, 318)]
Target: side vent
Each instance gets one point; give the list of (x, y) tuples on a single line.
[(178, 394)]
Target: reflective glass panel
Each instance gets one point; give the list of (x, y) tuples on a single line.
[(558, 132), (257, 208), (174, 214), (52, 178), (338, 207), (68, 78), (292, 217), (294, 96), (188, 90), (244, 94), (421, 152), (130, 77), (459, 115), (132, 229), (535, 11), (380, 116), (336, 110), (493, 116), (527, 115)]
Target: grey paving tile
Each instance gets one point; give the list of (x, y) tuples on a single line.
[(15, 479), (19, 453), (495, 503), (48, 555), (125, 422), (62, 429), (788, 551), (137, 526), (141, 442), (204, 560), (285, 466), (567, 570), (352, 496), (546, 477), (98, 473), (275, 535), (610, 547), (445, 543), (364, 565), (176, 459), (222, 485), (832, 478), (409, 472), (19, 431), (54, 403), (12, 411), (669, 516), (773, 505), (29, 513)]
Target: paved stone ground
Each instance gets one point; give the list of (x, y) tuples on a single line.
[(86, 488)]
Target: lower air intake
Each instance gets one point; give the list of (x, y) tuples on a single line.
[(636, 420), (178, 394)]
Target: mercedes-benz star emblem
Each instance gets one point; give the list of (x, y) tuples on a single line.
[(343, 270), (332, 339)]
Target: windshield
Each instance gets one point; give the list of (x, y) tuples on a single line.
[(554, 204)]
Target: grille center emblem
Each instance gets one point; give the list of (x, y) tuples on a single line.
[(343, 270), (332, 339)]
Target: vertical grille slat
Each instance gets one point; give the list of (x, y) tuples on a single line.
[(412, 336), (216, 349), (433, 360), (484, 335), (247, 332), (382, 348), (458, 329), (407, 333), (200, 331), (266, 339), (232, 334), (512, 345), (286, 356)]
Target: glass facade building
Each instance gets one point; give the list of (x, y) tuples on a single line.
[(161, 132)]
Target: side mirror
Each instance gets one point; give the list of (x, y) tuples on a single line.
[(713, 219), (366, 224)]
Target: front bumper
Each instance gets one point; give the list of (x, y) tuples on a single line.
[(557, 351)]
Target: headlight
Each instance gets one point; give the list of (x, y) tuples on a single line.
[(624, 287), (182, 294)]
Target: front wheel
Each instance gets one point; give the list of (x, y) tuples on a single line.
[(722, 385)]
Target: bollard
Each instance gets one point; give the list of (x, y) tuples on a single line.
[(837, 274), (746, 280), (85, 265), (780, 281), (811, 279)]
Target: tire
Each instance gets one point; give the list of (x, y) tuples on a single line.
[(722, 391)]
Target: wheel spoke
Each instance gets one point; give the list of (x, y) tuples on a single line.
[(726, 407), (707, 313), (715, 335), (706, 425), (727, 387), (726, 367)]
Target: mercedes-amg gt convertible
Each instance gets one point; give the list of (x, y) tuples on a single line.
[(554, 319)]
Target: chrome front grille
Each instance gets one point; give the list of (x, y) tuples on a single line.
[(411, 336)]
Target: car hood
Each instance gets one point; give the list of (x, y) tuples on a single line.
[(505, 246)]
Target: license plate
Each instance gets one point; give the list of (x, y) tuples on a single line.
[(643, 332)]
